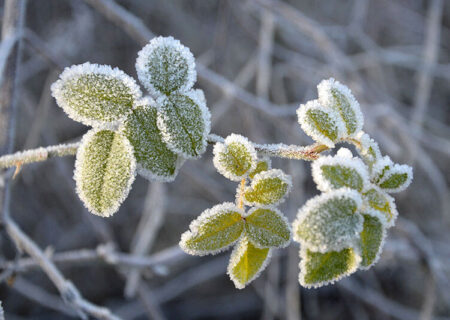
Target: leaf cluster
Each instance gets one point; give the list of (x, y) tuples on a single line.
[(149, 135)]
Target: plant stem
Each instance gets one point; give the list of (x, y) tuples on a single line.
[(241, 194), (280, 150)]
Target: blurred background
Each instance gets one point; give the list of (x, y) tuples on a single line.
[(257, 61)]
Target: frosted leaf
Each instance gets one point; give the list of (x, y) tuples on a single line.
[(334, 172), (184, 121), (262, 165), (333, 94), (268, 188), (372, 238), (155, 161), (322, 124), (247, 262), (378, 200), (104, 171), (319, 269), (379, 168), (329, 221), (397, 178), (95, 94), (267, 228), (200, 95), (235, 158), (369, 149), (215, 230), (165, 66)]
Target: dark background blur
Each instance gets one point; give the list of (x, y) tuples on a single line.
[(393, 54)]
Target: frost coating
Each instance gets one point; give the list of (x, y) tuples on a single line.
[(369, 149), (397, 178), (337, 96), (268, 188), (319, 269), (322, 124), (154, 159), (376, 199), (380, 167), (247, 262), (330, 221), (235, 158), (267, 228), (165, 66), (215, 230), (95, 94), (104, 171), (184, 121), (263, 164), (372, 239), (334, 172)]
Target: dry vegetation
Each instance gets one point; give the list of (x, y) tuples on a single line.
[(257, 60)]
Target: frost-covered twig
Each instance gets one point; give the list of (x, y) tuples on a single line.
[(38, 155), (42, 154)]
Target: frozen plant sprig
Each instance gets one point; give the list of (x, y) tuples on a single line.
[(340, 231), (254, 232), (150, 136)]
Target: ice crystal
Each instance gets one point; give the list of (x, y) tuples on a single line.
[(165, 66), (104, 171), (94, 94)]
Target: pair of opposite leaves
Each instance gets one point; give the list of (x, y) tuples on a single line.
[(131, 133), (256, 232)]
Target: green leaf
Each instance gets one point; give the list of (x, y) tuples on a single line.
[(368, 148), (322, 124), (214, 230), (155, 160), (319, 269), (247, 262), (95, 94), (267, 228), (165, 66), (397, 178), (261, 166), (380, 201), (341, 170), (268, 188), (234, 158), (104, 171), (184, 122), (329, 222), (371, 241), (334, 95)]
